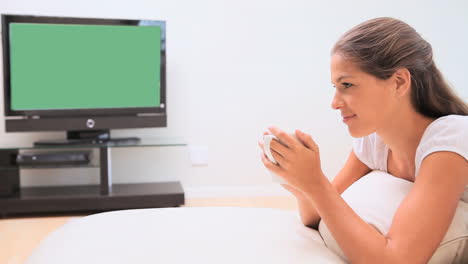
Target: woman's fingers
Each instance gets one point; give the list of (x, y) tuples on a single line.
[(284, 137), (279, 148), (269, 165), (278, 157), (274, 153), (307, 140)]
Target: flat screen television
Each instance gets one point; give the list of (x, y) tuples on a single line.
[(84, 76)]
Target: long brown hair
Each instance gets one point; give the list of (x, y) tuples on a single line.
[(381, 46)]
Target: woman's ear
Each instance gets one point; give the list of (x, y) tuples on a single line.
[(402, 78)]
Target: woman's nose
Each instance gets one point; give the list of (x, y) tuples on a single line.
[(337, 101)]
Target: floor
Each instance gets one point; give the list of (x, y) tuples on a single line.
[(19, 236)]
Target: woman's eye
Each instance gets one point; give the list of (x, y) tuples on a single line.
[(346, 85)]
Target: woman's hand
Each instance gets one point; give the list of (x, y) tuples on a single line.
[(298, 161)]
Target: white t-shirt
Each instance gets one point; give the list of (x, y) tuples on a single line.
[(447, 133)]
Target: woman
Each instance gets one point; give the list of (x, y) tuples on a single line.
[(388, 90)]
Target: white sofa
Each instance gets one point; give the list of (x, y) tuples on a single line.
[(185, 235)]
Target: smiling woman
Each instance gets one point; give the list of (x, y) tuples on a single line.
[(406, 122), (383, 46)]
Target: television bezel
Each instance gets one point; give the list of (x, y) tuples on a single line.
[(63, 114)]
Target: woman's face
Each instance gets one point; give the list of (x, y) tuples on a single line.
[(365, 102)]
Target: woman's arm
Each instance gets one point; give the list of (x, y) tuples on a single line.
[(422, 219), (352, 171), (309, 215)]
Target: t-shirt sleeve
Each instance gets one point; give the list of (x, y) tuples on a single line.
[(448, 134)]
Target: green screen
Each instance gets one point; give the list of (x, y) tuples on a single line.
[(84, 66)]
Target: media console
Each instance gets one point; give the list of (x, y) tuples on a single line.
[(15, 199)]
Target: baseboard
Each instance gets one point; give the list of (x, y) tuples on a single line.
[(234, 191)]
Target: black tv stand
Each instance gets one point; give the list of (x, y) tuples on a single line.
[(89, 141), (105, 196), (89, 137)]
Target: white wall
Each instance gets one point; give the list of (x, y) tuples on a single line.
[(236, 67)]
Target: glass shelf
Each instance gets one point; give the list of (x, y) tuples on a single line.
[(67, 166), (102, 197), (145, 142)]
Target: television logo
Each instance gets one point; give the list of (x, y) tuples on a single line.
[(90, 123)]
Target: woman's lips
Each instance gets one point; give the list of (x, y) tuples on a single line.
[(347, 118)]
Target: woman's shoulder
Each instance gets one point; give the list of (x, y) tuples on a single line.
[(451, 119), (447, 133), (448, 127)]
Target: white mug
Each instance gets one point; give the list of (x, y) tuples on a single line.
[(266, 148)]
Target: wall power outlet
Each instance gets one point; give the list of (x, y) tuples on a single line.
[(199, 155)]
